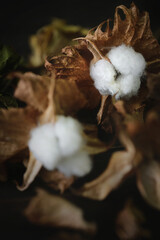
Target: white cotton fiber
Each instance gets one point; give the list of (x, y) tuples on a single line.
[(60, 145), (44, 146), (103, 74), (126, 60), (78, 164), (69, 135), (129, 65), (128, 86)]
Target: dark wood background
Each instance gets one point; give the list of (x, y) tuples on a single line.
[(19, 19)]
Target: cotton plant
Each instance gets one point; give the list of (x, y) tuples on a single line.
[(56, 142), (119, 73), (60, 145)]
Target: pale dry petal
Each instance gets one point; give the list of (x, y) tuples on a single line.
[(32, 170)]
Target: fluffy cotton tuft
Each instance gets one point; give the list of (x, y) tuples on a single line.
[(69, 135), (122, 76), (44, 146), (79, 165), (126, 60), (128, 86), (103, 75), (60, 145)]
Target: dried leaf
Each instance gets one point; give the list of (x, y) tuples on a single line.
[(56, 180), (51, 38), (72, 66), (15, 128), (145, 138), (129, 223), (32, 89), (68, 98), (51, 210), (148, 182), (33, 169), (133, 30), (120, 165)]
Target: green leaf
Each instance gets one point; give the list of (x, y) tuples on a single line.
[(9, 60), (7, 101)]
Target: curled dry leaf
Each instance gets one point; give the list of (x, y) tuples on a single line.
[(145, 138), (148, 182), (32, 89), (72, 66), (33, 168), (56, 180), (129, 223), (133, 30), (120, 165), (50, 210), (68, 98), (15, 127), (51, 38)]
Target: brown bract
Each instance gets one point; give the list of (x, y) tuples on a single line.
[(50, 210), (74, 66), (134, 30), (68, 98)]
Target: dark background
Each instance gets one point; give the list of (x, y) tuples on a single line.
[(20, 19)]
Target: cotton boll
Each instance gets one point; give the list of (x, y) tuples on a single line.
[(128, 86), (69, 135), (78, 164), (103, 74), (126, 60), (44, 146)]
